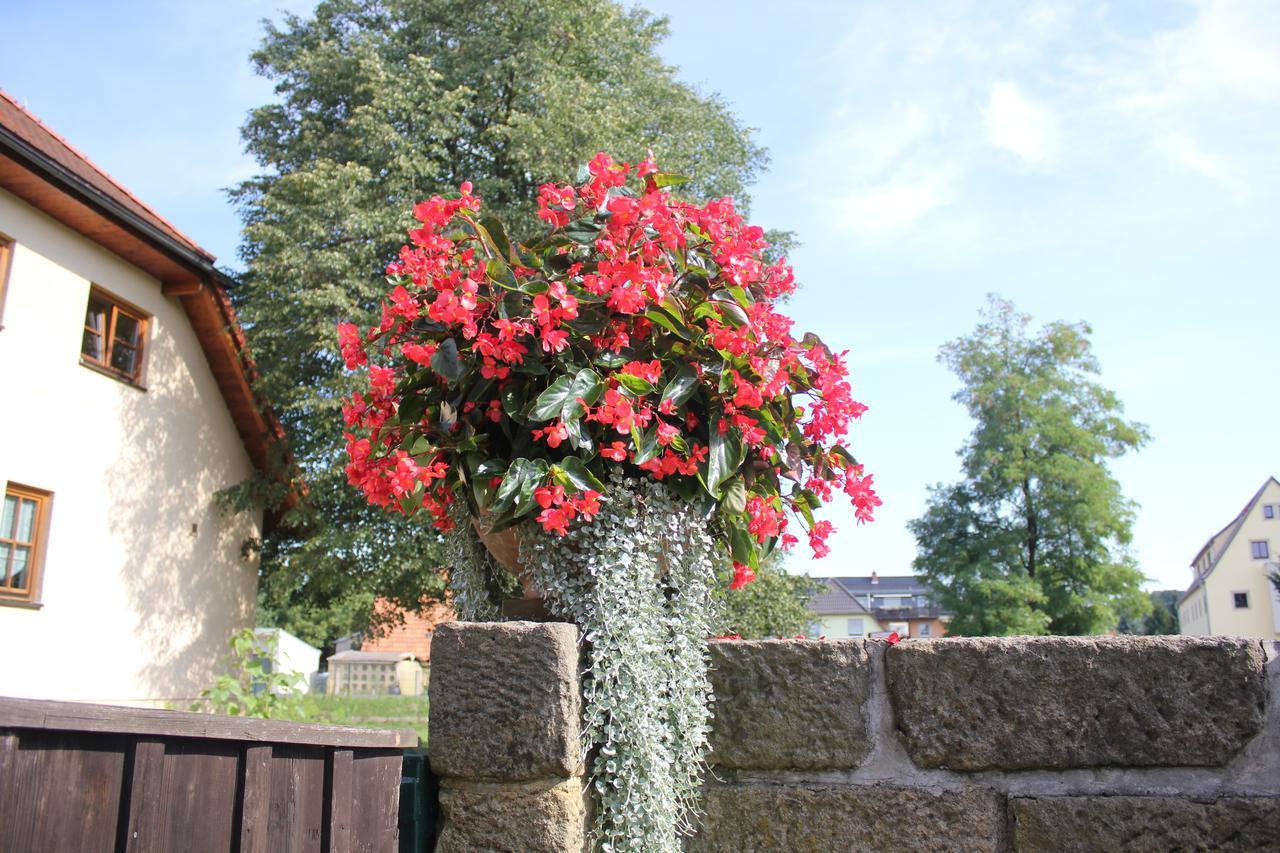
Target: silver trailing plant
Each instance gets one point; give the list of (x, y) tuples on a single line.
[(478, 583), (638, 582)]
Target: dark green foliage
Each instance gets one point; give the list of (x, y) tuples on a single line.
[(380, 105), (776, 604), (1163, 618), (1033, 539)]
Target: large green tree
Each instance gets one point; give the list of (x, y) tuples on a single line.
[(1033, 539), (1163, 618), (379, 104), (775, 604)]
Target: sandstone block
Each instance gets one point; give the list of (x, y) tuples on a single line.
[(1062, 702), (1144, 824), (790, 704), (531, 817), (505, 702), (756, 817)]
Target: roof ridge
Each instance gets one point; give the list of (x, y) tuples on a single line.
[(106, 175)]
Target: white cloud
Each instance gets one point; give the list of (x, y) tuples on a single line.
[(891, 208), (1014, 122), (1183, 150)]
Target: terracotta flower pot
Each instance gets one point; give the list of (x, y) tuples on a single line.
[(504, 547)]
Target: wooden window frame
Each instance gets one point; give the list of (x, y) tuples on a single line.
[(142, 318), (30, 596), (6, 262)]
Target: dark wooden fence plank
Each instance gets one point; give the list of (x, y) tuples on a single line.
[(146, 818), (296, 823), (200, 781), (95, 778), (255, 810), (341, 763), (75, 716), (61, 792), (374, 811)]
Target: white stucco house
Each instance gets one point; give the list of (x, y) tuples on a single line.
[(1230, 594), (125, 388)]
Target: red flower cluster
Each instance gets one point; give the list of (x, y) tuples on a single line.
[(639, 332)]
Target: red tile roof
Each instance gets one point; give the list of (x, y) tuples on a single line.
[(414, 636), (30, 129)]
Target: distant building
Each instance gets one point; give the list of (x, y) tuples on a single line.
[(353, 673), (1230, 594), (413, 635), (291, 655), (869, 605)]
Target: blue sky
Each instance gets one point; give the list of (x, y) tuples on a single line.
[(1109, 162)]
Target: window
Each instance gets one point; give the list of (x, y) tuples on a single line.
[(855, 628), (1241, 600), (24, 522), (1268, 510), (1261, 549), (925, 630), (114, 337)]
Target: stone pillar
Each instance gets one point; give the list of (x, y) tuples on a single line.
[(505, 737)]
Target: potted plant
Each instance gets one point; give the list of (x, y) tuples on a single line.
[(623, 392)]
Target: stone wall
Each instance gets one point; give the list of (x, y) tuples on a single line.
[(1090, 744)]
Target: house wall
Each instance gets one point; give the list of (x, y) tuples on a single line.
[(833, 626), (1193, 614), (984, 744), (1238, 571), (143, 578)]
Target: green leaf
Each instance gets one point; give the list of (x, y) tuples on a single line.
[(611, 359), (551, 401), (511, 483), (420, 446), (635, 384), (513, 401), (739, 295), (578, 473), (445, 361), (498, 237), (536, 473), (726, 454), (579, 437), (681, 386), (741, 545), (670, 179), (662, 319), (501, 274), (583, 231), (735, 496), (587, 386), (647, 447)]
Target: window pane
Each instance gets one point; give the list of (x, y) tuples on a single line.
[(96, 316), (91, 345), (123, 358), (26, 521), (10, 510), (21, 557), (5, 548), (127, 329)]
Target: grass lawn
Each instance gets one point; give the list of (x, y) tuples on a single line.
[(372, 712)]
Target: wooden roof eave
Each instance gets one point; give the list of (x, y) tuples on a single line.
[(185, 274)]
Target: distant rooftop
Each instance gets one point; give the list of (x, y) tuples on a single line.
[(352, 656), (883, 584), (834, 600)]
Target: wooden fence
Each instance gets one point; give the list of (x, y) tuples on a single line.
[(76, 777)]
